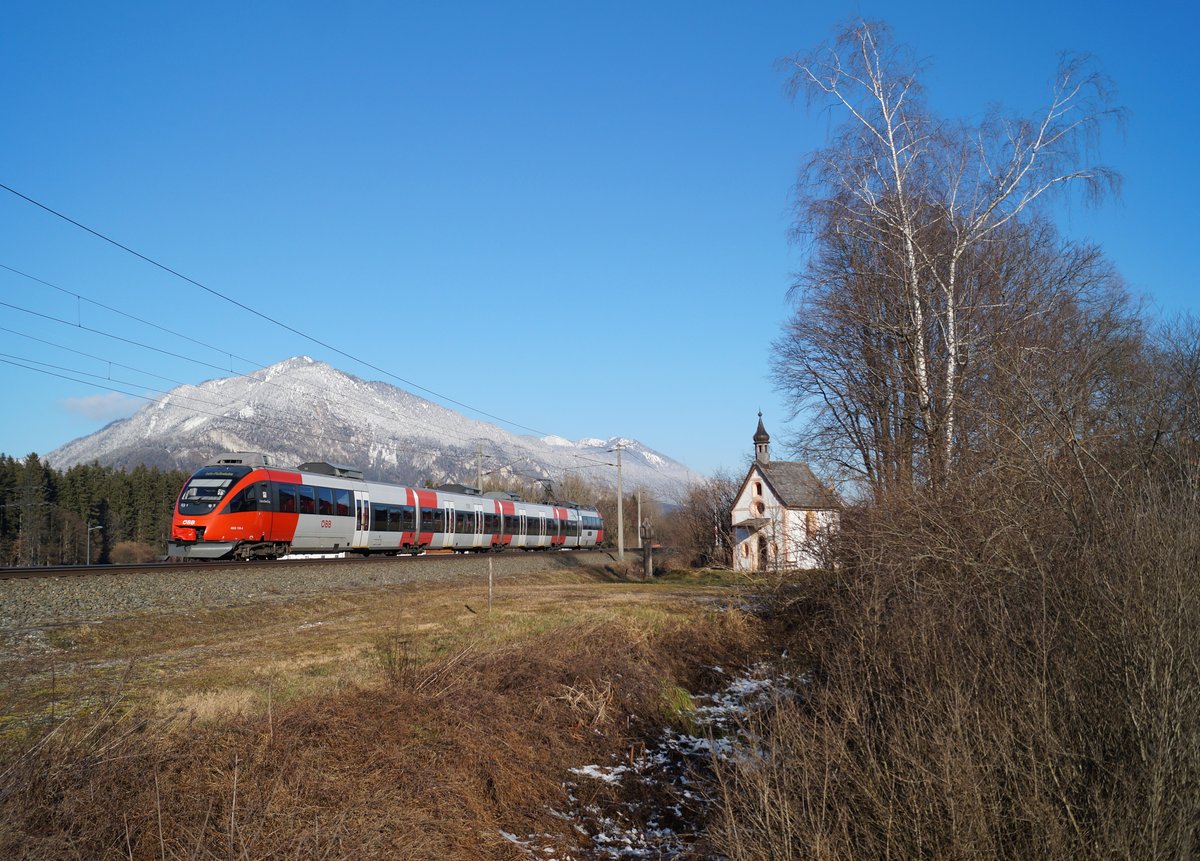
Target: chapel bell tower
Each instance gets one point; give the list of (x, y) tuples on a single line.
[(762, 443)]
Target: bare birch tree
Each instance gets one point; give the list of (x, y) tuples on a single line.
[(905, 212)]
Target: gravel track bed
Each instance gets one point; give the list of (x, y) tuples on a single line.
[(42, 602)]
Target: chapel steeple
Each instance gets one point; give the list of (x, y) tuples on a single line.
[(762, 443)]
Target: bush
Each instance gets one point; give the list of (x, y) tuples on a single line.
[(995, 676), (132, 553)]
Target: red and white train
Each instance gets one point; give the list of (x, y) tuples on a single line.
[(239, 506)]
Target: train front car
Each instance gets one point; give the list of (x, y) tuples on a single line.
[(225, 509)]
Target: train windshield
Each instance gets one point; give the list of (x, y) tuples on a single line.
[(205, 490)]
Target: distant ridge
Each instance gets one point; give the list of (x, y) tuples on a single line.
[(303, 410)]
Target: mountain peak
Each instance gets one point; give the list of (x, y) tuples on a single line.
[(301, 409)]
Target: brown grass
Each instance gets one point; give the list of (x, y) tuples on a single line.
[(427, 735)]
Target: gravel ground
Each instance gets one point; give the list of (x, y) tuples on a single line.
[(41, 602)]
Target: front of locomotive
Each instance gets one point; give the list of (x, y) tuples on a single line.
[(218, 509)]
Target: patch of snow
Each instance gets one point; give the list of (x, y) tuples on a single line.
[(629, 829), (608, 775)]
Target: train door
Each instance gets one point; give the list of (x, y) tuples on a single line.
[(266, 506), (479, 536), (520, 538), (362, 520), (450, 540)]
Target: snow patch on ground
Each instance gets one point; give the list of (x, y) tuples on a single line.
[(668, 770)]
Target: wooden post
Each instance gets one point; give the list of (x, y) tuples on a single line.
[(639, 500), (647, 536)]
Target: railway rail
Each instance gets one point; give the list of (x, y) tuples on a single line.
[(43, 571), (74, 595), (193, 566)]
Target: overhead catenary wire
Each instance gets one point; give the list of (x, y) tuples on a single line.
[(251, 376), (295, 417), (79, 324), (262, 315), (247, 308), (109, 378), (200, 362), (110, 362), (256, 422), (293, 420), (126, 314)]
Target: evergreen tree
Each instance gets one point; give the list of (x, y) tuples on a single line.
[(45, 514)]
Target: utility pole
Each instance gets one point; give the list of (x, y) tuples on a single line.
[(639, 517), (479, 468), (620, 506), (647, 534)]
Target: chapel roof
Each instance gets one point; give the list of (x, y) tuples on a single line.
[(796, 485)]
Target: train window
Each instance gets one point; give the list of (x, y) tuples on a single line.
[(439, 520), (378, 517), (342, 501), (308, 499), (287, 498), (408, 518), (510, 524), (245, 499), (205, 490), (393, 519), (533, 525), (325, 501), (491, 524)]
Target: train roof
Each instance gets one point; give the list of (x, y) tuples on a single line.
[(241, 458), (320, 467), (503, 495), (464, 489)]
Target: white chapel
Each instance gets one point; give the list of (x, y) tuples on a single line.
[(779, 513)]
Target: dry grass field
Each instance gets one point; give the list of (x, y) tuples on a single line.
[(403, 722)]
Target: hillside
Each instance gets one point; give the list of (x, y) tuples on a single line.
[(303, 410)]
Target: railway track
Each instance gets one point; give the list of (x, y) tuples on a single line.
[(66, 571), (42, 598)]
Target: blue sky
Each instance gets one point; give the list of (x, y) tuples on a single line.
[(572, 216)]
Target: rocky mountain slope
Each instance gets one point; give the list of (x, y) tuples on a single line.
[(303, 410)]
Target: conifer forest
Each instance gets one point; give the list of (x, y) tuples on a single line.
[(47, 515)]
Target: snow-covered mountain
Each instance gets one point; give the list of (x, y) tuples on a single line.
[(302, 410)]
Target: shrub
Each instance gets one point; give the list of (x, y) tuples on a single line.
[(995, 676), (132, 553)]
